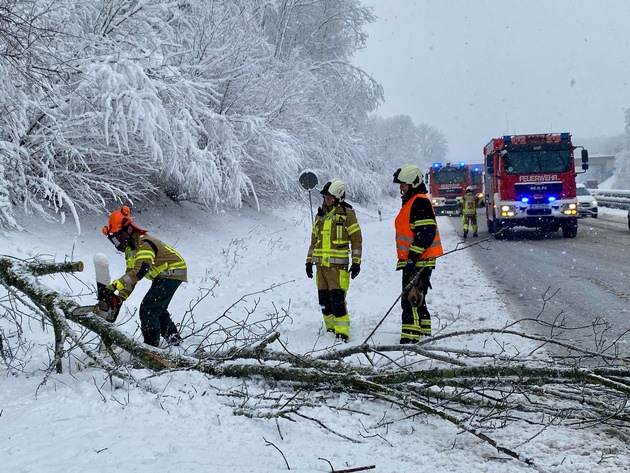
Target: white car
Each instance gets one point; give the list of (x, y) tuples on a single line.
[(587, 204)]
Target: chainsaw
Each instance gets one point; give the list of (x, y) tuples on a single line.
[(108, 305)]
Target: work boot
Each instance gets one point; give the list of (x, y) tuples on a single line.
[(465, 234), (475, 235), (174, 339), (151, 337), (342, 337), (171, 334)]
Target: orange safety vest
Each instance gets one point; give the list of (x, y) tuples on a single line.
[(405, 234)]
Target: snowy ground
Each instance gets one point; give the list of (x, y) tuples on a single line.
[(80, 422)]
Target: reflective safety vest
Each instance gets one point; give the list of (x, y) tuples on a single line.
[(469, 204), (405, 235), (331, 237)]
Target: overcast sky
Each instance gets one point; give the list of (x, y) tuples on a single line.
[(478, 69)]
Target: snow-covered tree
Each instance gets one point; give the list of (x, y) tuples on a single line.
[(216, 101), (398, 140), (622, 161)]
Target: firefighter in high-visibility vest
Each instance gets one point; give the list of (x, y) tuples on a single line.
[(334, 232), (468, 210), (417, 245), (146, 256)]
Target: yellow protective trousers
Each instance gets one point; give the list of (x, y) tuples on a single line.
[(332, 285), (469, 220)]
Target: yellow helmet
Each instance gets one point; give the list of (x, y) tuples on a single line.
[(408, 174), (334, 188)]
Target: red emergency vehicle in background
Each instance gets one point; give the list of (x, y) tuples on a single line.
[(476, 181), (448, 182), (530, 181)]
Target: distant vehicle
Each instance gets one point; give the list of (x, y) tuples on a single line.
[(530, 182), (476, 180), (587, 204), (591, 183), (448, 182)]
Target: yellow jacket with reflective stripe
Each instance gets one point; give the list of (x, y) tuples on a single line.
[(469, 204), (152, 259), (408, 225), (334, 231)]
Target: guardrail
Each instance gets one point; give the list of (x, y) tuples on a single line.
[(614, 198)]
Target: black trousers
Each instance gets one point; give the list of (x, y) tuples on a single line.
[(155, 320), (416, 321)]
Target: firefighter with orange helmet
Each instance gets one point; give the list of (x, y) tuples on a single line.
[(146, 256), (417, 245), (335, 230)]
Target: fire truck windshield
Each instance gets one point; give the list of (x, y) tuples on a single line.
[(475, 177), (449, 176), (536, 161)]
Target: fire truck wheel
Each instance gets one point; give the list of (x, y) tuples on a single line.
[(569, 231)]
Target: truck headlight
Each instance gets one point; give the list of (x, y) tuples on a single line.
[(570, 208), (508, 210)]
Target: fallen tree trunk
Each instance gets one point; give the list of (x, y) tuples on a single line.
[(459, 388)]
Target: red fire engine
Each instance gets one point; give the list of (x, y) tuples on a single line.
[(530, 182), (448, 182), (476, 181)]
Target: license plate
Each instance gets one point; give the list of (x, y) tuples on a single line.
[(538, 206)]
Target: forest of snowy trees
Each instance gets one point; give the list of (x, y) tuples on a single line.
[(221, 102)]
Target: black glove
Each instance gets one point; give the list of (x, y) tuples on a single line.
[(410, 268), (355, 269), (309, 270)]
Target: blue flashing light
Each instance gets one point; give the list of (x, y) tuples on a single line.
[(462, 164), (524, 199), (551, 198), (437, 165), (475, 169), (564, 136), (507, 139)]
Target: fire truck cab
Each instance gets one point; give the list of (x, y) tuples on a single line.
[(447, 183), (530, 182), (476, 181)]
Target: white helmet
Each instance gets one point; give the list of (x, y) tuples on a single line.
[(334, 188), (408, 174), (470, 189)]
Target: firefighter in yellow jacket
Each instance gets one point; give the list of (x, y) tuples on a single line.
[(146, 256), (417, 245), (335, 230), (467, 205)]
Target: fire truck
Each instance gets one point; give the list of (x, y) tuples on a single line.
[(530, 181), (447, 183), (476, 181)]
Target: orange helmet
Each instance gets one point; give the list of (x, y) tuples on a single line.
[(120, 219)]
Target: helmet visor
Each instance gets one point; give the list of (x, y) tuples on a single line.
[(119, 239)]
